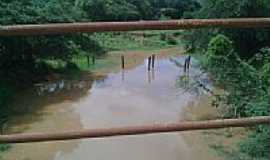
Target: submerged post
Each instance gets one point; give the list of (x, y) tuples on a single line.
[(187, 63), (123, 61), (149, 63), (153, 60)]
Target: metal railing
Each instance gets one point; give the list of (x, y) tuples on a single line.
[(135, 130), (89, 27)]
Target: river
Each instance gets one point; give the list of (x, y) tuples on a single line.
[(131, 97)]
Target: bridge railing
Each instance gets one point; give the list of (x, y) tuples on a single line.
[(89, 27), (135, 130)]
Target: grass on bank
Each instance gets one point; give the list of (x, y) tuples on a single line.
[(146, 40)]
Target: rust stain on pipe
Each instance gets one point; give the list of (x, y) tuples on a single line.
[(89, 27), (135, 130)]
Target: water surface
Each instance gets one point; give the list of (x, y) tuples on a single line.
[(131, 97)]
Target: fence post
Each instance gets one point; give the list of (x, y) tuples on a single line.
[(153, 60), (149, 63), (123, 61)]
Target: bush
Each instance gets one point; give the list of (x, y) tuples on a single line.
[(219, 55), (247, 90), (163, 37), (241, 80), (257, 144), (5, 98), (172, 41)]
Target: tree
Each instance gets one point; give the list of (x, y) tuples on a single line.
[(21, 58), (247, 41)]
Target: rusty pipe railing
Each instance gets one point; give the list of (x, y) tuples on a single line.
[(88, 27), (136, 130)]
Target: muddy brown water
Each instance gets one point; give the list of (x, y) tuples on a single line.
[(130, 97)]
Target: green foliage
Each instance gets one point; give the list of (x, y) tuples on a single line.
[(247, 41), (132, 40), (220, 54), (125, 10), (247, 89), (257, 144), (220, 46), (20, 57), (172, 41), (4, 147), (5, 97), (108, 10), (241, 80), (239, 60)]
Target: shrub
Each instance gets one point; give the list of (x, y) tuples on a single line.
[(247, 90), (172, 41), (257, 144)]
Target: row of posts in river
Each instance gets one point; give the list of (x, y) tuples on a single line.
[(151, 61)]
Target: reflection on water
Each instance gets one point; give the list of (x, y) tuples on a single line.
[(58, 86), (120, 99), (151, 75), (193, 80)]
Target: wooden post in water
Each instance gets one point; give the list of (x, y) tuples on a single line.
[(153, 60), (123, 61), (149, 63)]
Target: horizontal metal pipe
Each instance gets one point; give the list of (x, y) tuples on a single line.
[(88, 27), (135, 130)]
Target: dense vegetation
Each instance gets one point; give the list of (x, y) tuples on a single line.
[(239, 61)]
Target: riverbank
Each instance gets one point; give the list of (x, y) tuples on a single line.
[(224, 142)]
